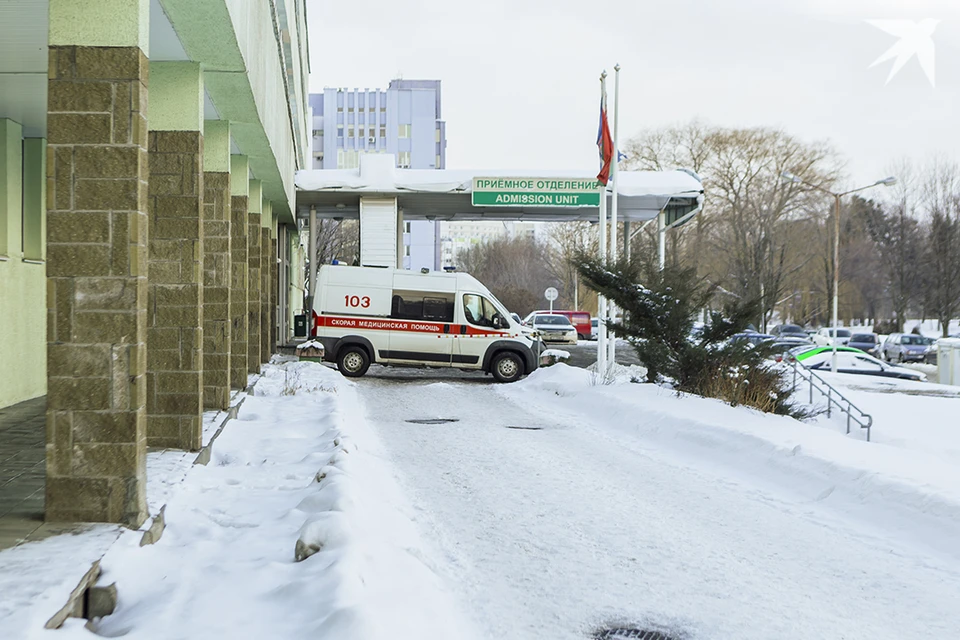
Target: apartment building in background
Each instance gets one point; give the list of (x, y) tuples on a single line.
[(404, 120)]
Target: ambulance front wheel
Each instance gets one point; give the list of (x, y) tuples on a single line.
[(353, 361), (507, 367)]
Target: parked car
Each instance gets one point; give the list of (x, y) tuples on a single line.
[(904, 347), (779, 348), (855, 361), (594, 325), (827, 335), (552, 327), (792, 330), (930, 355), (868, 342), (579, 319), (752, 337)]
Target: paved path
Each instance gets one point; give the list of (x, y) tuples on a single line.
[(549, 533), (22, 470)]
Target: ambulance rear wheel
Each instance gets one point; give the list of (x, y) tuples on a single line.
[(353, 361), (507, 367)]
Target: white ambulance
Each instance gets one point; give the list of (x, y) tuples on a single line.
[(364, 315)]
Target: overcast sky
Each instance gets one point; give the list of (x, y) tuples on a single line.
[(520, 77)]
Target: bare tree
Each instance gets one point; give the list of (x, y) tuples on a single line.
[(338, 239), (741, 239), (515, 269), (756, 209), (941, 263), (896, 233)]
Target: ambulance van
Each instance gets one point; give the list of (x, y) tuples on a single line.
[(365, 315)]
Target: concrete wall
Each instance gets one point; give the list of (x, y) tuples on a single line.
[(23, 288)]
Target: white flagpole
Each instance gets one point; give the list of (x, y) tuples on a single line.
[(615, 171), (601, 367)]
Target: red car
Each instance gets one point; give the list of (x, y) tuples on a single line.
[(579, 319)]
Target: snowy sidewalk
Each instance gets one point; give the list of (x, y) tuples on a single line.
[(225, 566)]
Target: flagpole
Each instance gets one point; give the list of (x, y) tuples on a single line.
[(601, 367), (615, 170)]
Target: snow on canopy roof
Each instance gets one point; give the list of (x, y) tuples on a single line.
[(378, 175)]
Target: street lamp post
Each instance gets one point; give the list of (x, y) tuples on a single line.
[(887, 182)]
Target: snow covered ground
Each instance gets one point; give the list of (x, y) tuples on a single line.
[(225, 566), (560, 507), (547, 508)]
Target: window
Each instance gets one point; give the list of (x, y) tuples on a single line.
[(406, 250), (403, 131), (318, 133), (340, 109), (383, 132), (383, 109), (361, 109), (349, 109), (350, 131), (406, 227), (403, 160), (438, 134), (480, 312), (416, 306), (438, 162), (348, 159)]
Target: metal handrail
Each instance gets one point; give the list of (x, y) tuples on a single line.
[(834, 397)]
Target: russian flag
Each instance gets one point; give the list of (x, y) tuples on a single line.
[(604, 140)]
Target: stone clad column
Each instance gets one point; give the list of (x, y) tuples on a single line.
[(216, 264), (239, 230), (97, 263), (266, 273), (175, 291), (255, 283)]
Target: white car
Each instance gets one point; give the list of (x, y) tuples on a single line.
[(552, 327), (857, 362), (827, 335)]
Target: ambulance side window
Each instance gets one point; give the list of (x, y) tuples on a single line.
[(422, 308), (437, 309)]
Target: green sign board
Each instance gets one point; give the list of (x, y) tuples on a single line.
[(535, 192)]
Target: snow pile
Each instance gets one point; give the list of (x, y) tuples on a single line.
[(296, 529), (292, 378)]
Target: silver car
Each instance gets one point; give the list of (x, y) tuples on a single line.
[(904, 347)]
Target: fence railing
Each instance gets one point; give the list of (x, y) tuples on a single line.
[(834, 397)]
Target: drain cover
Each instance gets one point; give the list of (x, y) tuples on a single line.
[(433, 420), (525, 428), (637, 634)]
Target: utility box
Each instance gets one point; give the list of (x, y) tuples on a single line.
[(300, 326), (948, 360)]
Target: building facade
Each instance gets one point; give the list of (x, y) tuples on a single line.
[(403, 120), (147, 158)]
